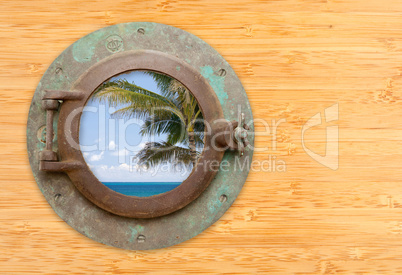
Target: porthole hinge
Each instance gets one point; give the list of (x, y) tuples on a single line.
[(47, 157)]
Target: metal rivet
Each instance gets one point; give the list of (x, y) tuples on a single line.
[(141, 238), (41, 134), (223, 198), (141, 31), (57, 196), (58, 70), (222, 72)]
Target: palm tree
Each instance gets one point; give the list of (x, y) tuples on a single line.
[(174, 112)]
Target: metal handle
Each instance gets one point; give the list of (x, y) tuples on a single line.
[(232, 135), (240, 134), (48, 157)]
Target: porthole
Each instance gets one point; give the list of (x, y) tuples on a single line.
[(187, 110)]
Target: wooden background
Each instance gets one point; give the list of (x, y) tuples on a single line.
[(295, 58)]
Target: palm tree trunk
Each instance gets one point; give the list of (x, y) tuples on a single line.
[(191, 145)]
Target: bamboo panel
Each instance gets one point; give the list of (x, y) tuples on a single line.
[(294, 58)]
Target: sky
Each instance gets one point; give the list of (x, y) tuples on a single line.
[(109, 144)]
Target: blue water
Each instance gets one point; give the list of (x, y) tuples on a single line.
[(141, 189)]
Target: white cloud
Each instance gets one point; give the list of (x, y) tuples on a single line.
[(97, 157), (141, 145), (112, 145), (126, 152), (112, 173), (122, 152), (125, 173), (123, 167)]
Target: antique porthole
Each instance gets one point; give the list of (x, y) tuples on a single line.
[(175, 171)]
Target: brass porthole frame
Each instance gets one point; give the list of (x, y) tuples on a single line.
[(137, 223), (85, 180)]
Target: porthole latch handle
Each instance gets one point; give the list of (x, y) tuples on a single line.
[(48, 157), (240, 134), (232, 135)]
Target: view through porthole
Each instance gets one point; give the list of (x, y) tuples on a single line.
[(141, 133)]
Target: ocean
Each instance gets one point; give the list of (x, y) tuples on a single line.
[(141, 189)]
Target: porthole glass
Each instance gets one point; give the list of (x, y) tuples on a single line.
[(141, 133)]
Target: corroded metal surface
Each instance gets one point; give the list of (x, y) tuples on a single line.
[(83, 215), (85, 180)]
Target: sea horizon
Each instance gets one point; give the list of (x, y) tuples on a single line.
[(141, 182), (141, 189)]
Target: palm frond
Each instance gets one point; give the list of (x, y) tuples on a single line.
[(141, 104), (158, 124), (141, 112), (182, 138), (171, 88), (174, 112), (125, 85), (155, 153), (162, 81), (174, 128)]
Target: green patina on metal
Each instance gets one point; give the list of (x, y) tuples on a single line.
[(98, 224), (135, 232), (84, 49), (217, 83)]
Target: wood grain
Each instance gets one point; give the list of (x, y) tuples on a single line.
[(294, 58)]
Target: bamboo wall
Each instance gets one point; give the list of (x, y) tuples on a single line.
[(295, 58)]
